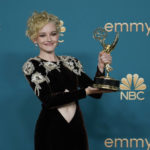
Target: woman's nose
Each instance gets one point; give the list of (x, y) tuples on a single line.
[(49, 38)]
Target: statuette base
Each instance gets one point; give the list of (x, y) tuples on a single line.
[(106, 83)]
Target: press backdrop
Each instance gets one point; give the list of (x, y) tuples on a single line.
[(122, 115)]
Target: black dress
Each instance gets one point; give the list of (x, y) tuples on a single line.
[(49, 81)]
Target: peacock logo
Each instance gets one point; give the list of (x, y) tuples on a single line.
[(132, 87)]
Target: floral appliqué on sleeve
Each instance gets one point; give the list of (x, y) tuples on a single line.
[(72, 64), (28, 68), (36, 78)]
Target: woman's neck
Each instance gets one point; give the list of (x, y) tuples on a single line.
[(48, 56)]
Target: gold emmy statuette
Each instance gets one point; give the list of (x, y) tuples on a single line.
[(106, 82)]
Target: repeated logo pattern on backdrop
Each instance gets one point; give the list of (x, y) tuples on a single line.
[(132, 87)]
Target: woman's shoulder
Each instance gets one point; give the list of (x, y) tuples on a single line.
[(72, 63), (30, 65), (71, 60), (32, 60), (35, 63), (68, 58)]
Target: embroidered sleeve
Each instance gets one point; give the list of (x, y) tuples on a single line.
[(41, 86), (72, 64), (34, 77)]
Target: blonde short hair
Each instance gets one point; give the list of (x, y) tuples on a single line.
[(39, 20)]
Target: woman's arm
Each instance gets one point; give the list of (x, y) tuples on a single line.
[(39, 83), (84, 81)]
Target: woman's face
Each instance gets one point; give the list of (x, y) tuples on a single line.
[(47, 39)]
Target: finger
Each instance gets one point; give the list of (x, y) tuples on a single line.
[(101, 53), (66, 90), (100, 61), (106, 56), (92, 88), (104, 59)]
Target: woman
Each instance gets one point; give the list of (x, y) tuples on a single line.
[(59, 82)]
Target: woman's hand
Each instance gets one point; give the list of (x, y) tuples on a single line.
[(103, 58), (90, 90)]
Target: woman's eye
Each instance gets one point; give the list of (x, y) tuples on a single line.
[(42, 35), (53, 34)]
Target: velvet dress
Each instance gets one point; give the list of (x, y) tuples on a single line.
[(49, 80)]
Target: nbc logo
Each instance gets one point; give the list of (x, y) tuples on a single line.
[(132, 87)]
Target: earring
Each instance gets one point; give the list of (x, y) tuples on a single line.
[(36, 44)]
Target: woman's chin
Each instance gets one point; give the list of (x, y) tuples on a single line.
[(48, 50)]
